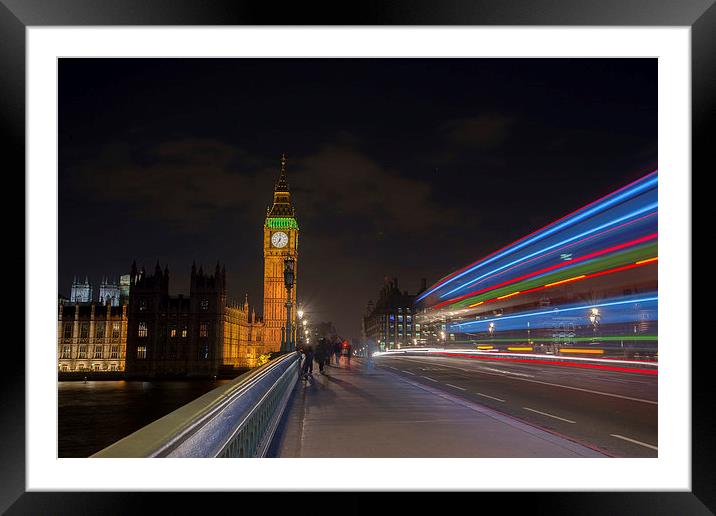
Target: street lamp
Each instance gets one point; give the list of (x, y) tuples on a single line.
[(300, 315), (289, 264), (594, 317)]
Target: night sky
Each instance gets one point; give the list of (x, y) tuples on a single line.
[(404, 168)]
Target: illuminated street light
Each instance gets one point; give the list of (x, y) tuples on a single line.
[(305, 322), (300, 315)]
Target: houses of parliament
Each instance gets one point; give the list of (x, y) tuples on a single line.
[(135, 328)]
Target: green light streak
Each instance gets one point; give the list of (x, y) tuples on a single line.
[(609, 262), (575, 339)]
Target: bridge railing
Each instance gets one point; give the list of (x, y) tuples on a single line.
[(237, 419)]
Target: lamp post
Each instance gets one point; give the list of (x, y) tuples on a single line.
[(287, 343)]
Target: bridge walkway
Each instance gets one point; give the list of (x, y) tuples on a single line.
[(360, 410)]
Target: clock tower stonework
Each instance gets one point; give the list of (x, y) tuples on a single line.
[(280, 241)]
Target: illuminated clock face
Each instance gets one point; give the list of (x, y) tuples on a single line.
[(279, 239)]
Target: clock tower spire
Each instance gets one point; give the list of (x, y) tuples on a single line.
[(280, 241)]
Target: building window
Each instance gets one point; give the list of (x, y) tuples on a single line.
[(68, 330), (142, 329), (184, 333), (84, 330), (99, 331), (82, 353), (115, 330), (204, 304), (203, 329), (97, 352), (173, 332), (113, 367), (392, 317), (114, 352), (141, 352), (142, 305), (66, 352), (204, 352), (400, 318)]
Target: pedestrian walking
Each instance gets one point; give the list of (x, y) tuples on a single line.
[(320, 354), (307, 362), (337, 351), (348, 353)]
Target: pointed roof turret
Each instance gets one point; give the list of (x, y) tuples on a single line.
[(281, 195), (282, 184)]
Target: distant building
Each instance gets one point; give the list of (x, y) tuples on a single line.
[(109, 293), (81, 292), (389, 324), (200, 335), (91, 337)]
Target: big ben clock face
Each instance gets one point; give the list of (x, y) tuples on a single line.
[(279, 239)]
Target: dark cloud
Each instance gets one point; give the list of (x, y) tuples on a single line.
[(182, 183), (479, 133)]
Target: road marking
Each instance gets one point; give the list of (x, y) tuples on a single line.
[(508, 372), (409, 372), (549, 415), (472, 371), (451, 385), (635, 441), (431, 379), (488, 396), (395, 368)]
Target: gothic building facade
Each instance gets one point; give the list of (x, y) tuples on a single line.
[(91, 337), (280, 241), (203, 334)]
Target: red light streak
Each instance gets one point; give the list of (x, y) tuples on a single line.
[(557, 363), (437, 285), (550, 268)]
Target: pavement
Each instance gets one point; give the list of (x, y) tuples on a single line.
[(360, 410)]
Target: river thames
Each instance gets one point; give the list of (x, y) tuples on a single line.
[(94, 414)]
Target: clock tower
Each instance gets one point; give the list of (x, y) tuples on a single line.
[(280, 241)]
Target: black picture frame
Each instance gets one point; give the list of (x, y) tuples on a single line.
[(17, 15)]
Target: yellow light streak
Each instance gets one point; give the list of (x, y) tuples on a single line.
[(566, 280), (508, 295), (589, 351), (519, 348), (648, 260)]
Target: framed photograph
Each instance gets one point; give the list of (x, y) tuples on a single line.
[(513, 157)]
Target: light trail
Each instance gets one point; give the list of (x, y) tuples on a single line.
[(646, 182)]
